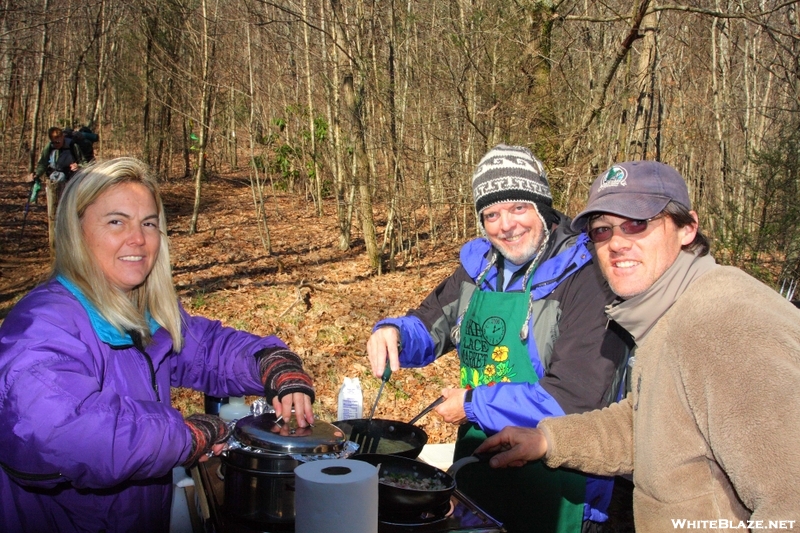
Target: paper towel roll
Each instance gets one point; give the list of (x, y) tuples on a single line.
[(336, 496)]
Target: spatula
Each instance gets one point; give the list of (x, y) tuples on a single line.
[(363, 434)]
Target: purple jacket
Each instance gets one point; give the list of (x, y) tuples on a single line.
[(87, 432)]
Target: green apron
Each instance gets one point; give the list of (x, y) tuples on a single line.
[(533, 497)]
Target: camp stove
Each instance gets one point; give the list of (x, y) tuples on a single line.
[(461, 515)]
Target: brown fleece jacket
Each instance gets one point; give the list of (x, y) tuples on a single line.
[(711, 429)]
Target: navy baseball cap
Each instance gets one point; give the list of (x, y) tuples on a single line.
[(638, 190)]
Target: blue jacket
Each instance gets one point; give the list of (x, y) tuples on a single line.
[(88, 434), (579, 360)]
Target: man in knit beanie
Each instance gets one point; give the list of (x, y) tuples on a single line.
[(514, 174), (524, 310)]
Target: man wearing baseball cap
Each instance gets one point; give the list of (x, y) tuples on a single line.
[(710, 428), (525, 311)]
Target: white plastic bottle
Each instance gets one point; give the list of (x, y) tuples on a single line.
[(234, 409), (350, 399)]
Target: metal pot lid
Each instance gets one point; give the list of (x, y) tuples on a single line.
[(267, 433)]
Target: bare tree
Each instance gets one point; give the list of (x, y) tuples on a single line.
[(206, 102), (392, 107)]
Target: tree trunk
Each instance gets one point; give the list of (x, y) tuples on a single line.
[(354, 102), (719, 79), (100, 80), (148, 92), (317, 179), (39, 90), (640, 143), (256, 184), (536, 66), (51, 200), (206, 101), (166, 127), (344, 201)]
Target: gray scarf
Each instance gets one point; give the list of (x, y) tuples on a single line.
[(639, 314)]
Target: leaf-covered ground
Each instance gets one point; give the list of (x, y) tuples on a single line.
[(322, 301)]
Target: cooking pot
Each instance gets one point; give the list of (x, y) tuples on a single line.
[(259, 466), (400, 503), (396, 438)]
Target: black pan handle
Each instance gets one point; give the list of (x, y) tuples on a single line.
[(427, 410)]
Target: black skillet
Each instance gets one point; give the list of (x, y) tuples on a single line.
[(401, 503), (403, 439)]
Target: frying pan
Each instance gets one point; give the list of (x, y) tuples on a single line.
[(396, 438), (398, 502)]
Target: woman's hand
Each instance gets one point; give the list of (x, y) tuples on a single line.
[(286, 384), (300, 402), (216, 449), (209, 433)]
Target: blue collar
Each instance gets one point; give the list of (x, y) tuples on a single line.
[(107, 332), (567, 259)]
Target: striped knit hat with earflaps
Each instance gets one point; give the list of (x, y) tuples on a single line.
[(510, 174)]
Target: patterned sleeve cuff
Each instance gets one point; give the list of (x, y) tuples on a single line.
[(282, 373)]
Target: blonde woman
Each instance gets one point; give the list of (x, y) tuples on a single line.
[(88, 358)]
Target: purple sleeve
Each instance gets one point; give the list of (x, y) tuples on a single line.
[(73, 409), (417, 349), (219, 360), (510, 404), (425, 331)]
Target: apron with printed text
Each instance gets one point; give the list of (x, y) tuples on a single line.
[(533, 497)]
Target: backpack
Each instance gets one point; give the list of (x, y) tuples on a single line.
[(84, 138)]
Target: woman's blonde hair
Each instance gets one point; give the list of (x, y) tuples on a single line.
[(75, 261)]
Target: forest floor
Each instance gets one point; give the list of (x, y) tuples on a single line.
[(224, 272)]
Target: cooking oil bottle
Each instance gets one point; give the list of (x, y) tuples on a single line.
[(350, 399)]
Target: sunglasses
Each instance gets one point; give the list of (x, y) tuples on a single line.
[(629, 227)]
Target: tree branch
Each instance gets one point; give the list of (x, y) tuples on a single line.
[(599, 98)]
